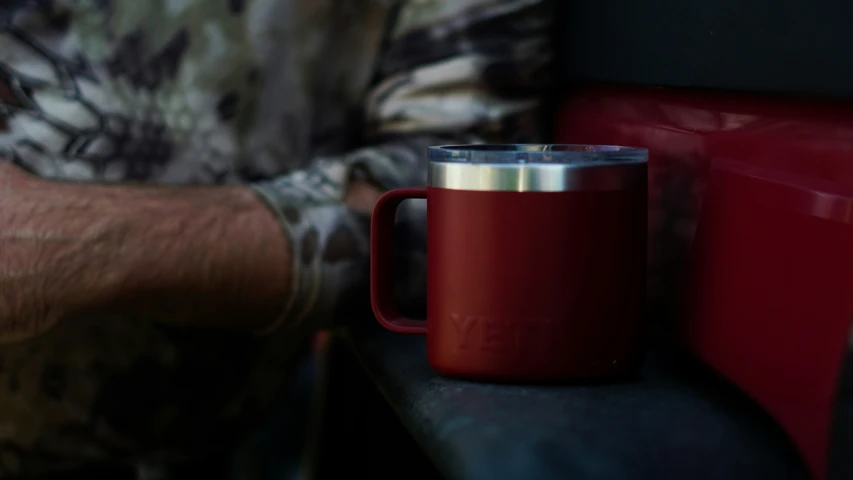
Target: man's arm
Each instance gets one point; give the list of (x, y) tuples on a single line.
[(458, 71), (196, 255), (212, 256)]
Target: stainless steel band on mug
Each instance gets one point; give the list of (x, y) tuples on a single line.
[(537, 177)]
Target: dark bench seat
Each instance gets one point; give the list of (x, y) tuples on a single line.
[(670, 422)]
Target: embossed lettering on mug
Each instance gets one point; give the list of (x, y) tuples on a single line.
[(499, 334), (463, 326)]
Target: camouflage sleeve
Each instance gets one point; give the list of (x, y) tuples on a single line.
[(450, 71)]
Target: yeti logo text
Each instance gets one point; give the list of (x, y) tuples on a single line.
[(489, 333)]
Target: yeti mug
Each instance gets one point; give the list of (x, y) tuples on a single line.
[(536, 261)]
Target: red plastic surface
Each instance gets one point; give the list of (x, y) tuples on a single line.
[(809, 143), (513, 295), (771, 303), (685, 130)]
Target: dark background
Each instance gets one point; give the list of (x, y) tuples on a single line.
[(768, 46)]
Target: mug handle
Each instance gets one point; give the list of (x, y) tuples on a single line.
[(382, 261)]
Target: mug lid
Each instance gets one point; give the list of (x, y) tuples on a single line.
[(536, 167)]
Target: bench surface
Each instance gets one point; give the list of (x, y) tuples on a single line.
[(675, 420)]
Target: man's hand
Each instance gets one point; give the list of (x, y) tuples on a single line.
[(362, 196)]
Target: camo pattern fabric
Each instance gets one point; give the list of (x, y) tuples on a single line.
[(295, 98)]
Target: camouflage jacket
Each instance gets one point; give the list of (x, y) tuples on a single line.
[(293, 97)]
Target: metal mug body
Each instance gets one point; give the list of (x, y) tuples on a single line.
[(536, 272)]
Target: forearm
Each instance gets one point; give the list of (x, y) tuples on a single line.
[(199, 256)]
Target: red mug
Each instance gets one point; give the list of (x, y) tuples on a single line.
[(536, 261)]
